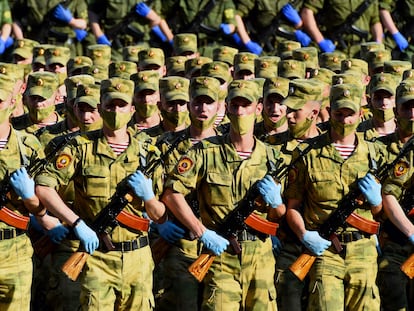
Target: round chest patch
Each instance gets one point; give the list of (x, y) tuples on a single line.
[(400, 169), (63, 161), (184, 165)]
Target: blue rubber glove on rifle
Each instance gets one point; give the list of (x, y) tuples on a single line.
[(400, 40), (253, 47), (214, 242), (303, 38), (158, 32), (226, 29), (35, 224), (170, 232), (141, 185), (58, 233), (62, 14), (315, 243), (270, 191), (22, 184), (371, 189), (87, 236), (80, 34), (2, 46), (327, 46), (9, 42), (411, 239), (142, 9), (103, 40), (237, 39), (291, 14)]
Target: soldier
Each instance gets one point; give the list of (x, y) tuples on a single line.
[(185, 44), (224, 168), (244, 66), (152, 59), (56, 59), (344, 280), (126, 271)]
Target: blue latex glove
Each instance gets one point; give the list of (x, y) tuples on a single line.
[(87, 236), (226, 29), (291, 14), (9, 42), (411, 239), (35, 224), (58, 233), (2, 46), (158, 32), (401, 41), (327, 46), (170, 232), (214, 242), (80, 34), (103, 40), (270, 191), (142, 9), (315, 243), (141, 186), (237, 39), (253, 47), (22, 184), (303, 38), (62, 14), (276, 245), (371, 189)]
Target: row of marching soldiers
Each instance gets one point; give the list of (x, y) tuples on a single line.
[(196, 141)]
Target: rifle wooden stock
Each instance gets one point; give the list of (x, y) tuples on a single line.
[(159, 249), (363, 224), (408, 266), (133, 221), (43, 246), (13, 219), (200, 266), (302, 265), (260, 224), (73, 266), (411, 213)]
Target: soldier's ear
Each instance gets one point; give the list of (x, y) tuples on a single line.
[(259, 108)]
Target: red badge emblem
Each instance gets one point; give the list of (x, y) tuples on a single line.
[(184, 165)]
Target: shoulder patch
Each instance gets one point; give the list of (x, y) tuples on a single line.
[(293, 174), (184, 165), (63, 161), (401, 168)]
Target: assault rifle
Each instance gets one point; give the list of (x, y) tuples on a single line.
[(110, 216), (341, 215), (347, 27), (243, 217), (407, 205)]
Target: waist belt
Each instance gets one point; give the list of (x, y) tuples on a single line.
[(129, 246), (6, 234), (346, 237), (246, 236)]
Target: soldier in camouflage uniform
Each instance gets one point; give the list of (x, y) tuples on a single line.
[(396, 248), (223, 168), (121, 278), (339, 161)]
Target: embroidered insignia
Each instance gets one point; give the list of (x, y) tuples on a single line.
[(184, 165), (400, 168), (63, 161)]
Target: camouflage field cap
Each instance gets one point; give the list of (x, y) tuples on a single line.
[(203, 85), (291, 69), (98, 72), (151, 56), (405, 92), (193, 65), (78, 64), (146, 80), (302, 91), (57, 55), (244, 61), (175, 65), (39, 53), (351, 77), (225, 54), (12, 70), (408, 74), (383, 81), (332, 60), (117, 88), (346, 96), (377, 58), (184, 43), (276, 85), (397, 67), (24, 47), (6, 86), (266, 66), (218, 70), (130, 52), (354, 64), (89, 94), (73, 82), (99, 53), (174, 88), (122, 69), (369, 46), (42, 84), (309, 55), (322, 74), (243, 88), (286, 48)]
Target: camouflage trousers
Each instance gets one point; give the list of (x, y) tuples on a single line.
[(118, 281), (181, 289), (242, 282), (345, 281), (392, 282), (16, 272)]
